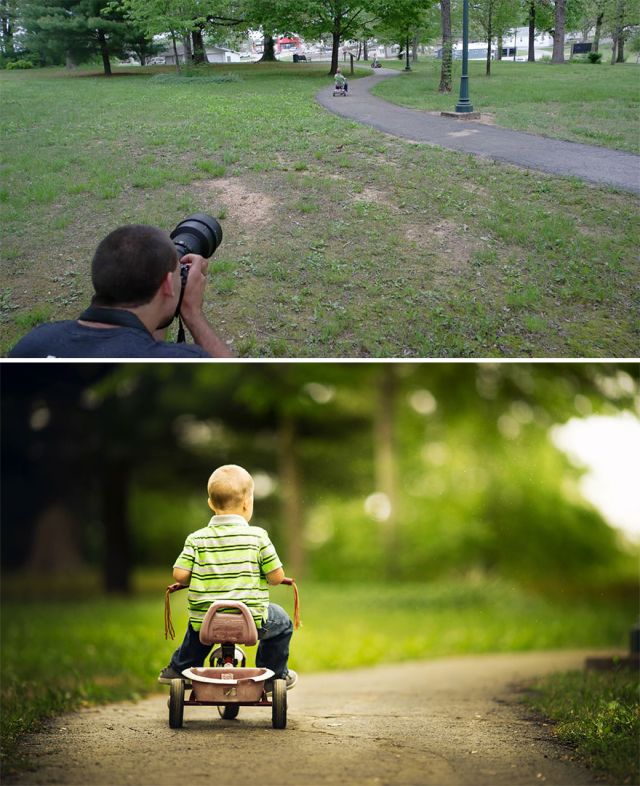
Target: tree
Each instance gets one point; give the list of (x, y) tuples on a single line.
[(186, 20), (531, 18), (458, 457), (75, 31), (559, 32), (623, 18), (447, 48), (8, 14), (408, 22), (341, 19), (494, 17)]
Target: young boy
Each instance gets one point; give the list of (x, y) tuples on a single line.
[(232, 560), (341, 82)]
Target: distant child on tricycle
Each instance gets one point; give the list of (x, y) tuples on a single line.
[(341, 85)]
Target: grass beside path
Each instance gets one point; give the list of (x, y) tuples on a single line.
[(62, 653), (579, 102), (339, 241), (598, 714)]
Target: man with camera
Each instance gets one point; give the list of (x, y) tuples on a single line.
[(142, 280)]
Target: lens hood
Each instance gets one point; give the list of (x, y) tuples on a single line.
[(197, 234)]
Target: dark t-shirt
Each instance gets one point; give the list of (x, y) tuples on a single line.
[(68, 339)]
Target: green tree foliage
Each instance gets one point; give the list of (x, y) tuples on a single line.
[(406, 20), (75, 31), (8, 16), (410, 470), (494, 17)]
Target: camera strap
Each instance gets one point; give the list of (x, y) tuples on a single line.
[(181, 334), (112, 316)]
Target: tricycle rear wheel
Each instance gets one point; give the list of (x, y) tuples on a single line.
[(279, 704), (176, 704)]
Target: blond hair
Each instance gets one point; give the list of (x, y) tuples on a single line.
[(229, 486)]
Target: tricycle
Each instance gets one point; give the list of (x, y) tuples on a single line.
[(227, 683)]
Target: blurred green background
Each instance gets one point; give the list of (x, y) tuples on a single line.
[(423, 508)]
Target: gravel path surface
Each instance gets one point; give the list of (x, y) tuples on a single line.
[(444, 722)]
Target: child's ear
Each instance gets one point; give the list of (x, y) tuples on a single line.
[(210, 504)]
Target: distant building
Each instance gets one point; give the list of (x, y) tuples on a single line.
[(287, 44), (215, 54)]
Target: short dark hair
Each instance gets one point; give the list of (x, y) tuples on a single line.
[(130, 264)]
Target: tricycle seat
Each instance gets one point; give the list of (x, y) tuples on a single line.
[(221, 627)]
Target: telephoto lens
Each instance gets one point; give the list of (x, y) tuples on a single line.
[(198, 234)]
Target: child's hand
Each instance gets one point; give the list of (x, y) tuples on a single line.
[(175, 587)]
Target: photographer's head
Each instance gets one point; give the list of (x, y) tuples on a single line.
[(131, 265), (139, 288)]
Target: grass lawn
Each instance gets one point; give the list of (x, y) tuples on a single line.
[(597, 714), (580, 102), (339, 241), (62, 653)]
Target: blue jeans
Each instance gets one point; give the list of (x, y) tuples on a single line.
[(273, 645)]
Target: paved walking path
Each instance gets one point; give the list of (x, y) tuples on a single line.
[(571, 159), (449, 722)]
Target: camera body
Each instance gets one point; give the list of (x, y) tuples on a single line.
[(197, 234)]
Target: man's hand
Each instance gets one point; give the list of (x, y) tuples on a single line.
[(191, 308)]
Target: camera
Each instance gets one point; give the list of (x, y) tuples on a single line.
[(197, 234)]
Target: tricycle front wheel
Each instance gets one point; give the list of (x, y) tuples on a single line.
[(228, 711)]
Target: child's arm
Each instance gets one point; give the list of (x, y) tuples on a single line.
[(274, 577), (182, 576)]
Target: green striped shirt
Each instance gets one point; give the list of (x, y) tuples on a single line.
[(228, 559)]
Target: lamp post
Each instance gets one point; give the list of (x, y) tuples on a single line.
[(407, 66), (464, 104)]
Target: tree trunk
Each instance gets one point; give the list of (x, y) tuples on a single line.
[(335, 50), (489, 31), (558, 33), (499, 44), (385, 463), (104, 51), (115, 519), (268, 49), (290, 483), (531, 54), (54, 549), (175, 52), (188, 49), (617, 54), (7, 29), (414, 49), (447, 44), (199, 55), (596, 37), (365, 50)]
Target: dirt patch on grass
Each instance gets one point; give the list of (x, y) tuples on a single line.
[(448, 247), (376, 196), (244, 205)]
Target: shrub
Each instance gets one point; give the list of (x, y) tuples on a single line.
[(196, 77), (19, 64), (594, 57)]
